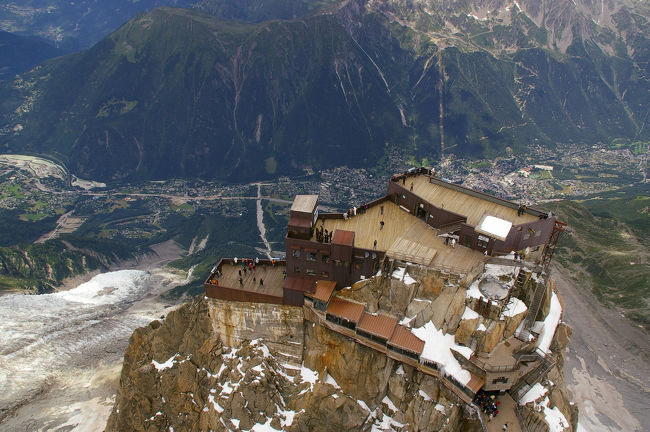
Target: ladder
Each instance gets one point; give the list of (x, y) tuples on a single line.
[(558, 228), (522, 278)]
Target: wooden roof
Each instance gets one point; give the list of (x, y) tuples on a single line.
[(466, 202), (324, 290), (343, 237), (475, 383), (345, 309), (270, 274), (378, 325), (304, 203), (400, 224), (403, 338), (411, 251)]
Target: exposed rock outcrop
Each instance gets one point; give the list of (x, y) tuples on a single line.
[(217, 365), (178, 375)]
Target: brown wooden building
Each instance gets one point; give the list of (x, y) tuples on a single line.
[(416, 221)]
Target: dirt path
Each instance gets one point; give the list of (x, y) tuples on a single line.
[(607, 363)]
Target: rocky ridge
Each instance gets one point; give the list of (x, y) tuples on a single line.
[(179, 374)]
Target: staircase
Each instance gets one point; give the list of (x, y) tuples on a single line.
[(531, 378), (451, 227), (533, 309)]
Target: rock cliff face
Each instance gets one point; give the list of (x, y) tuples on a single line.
[(279, 326), (178, 374), (216, 365)]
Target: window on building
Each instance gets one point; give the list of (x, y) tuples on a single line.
[(324, 274), (311, 256), (296, 253), (526, 236), (296, 269), (500, 380), (310, 272), (325, 258)]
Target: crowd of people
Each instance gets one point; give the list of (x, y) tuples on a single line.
[(248, 268), (488, 404)]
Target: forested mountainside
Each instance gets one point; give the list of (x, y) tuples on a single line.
[(178, 93)]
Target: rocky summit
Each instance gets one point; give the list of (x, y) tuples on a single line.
[(181, 375)]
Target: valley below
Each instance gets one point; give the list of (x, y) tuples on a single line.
[(62, 354), (607, 363)]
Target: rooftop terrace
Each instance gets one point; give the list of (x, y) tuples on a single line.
[(272, 275), (403, 231)]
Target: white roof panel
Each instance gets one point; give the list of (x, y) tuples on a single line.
[(494, 227)]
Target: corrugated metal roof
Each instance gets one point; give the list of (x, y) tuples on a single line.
[(324, 290), (378, 325), (299, 284), (304, 203), (403, 338), (343, 237), (345, 309), (475, 383)]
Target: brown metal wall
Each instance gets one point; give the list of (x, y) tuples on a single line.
[(303, 263), (224, 293), (341, 252), (515, 240), (436, 216), (345, 273), (293, 298)]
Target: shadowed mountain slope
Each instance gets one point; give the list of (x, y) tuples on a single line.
[(178, 93)]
